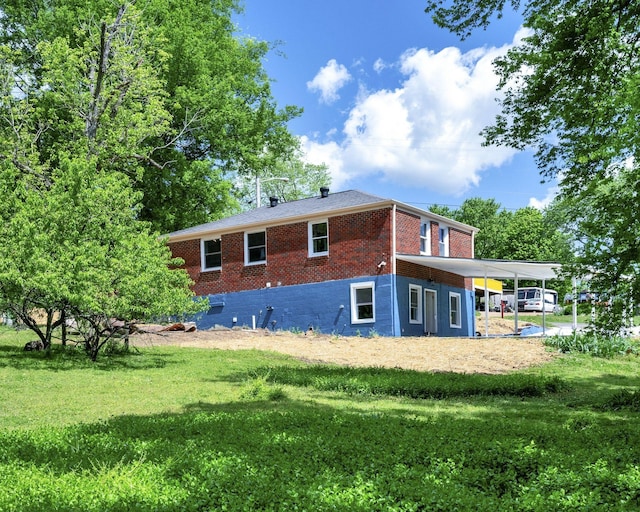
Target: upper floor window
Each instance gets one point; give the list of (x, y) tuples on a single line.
[(211, 251), (455, 317), (318, 238), (425, 237), (362, 303), (255, 248), (443, 241), (415, 304)]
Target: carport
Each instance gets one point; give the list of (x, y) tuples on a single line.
[(491, 269)]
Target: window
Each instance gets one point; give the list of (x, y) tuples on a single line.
[(443, 241), (211, 252), (318, 238), (255, 247), (415, 304), (362, 303), (425, 238), (454, 310)]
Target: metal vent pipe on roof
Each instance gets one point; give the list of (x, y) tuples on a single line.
[(324, 191), (273, 202)]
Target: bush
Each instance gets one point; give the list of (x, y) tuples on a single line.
[(592, 343)]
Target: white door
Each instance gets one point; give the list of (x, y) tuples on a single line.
[(430, 312)]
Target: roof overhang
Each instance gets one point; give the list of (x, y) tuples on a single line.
[(495, 269)]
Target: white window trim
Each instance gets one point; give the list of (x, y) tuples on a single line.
[(310, 238), (354, 305), (203, 258), (246, 248), (426, 238), (445, 241), (418, 289), (458, 324)]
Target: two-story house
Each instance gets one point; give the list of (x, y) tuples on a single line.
[(339, 263)]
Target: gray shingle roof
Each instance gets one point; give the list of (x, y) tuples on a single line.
[(283, 211), (310, 207)]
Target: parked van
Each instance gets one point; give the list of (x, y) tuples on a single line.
[(531, 299)]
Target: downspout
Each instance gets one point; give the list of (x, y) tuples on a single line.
[(394, 296), (544, 308), (515, 303), (574, 306), (486, 304)]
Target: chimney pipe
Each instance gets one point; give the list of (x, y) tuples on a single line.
[(273, 201), (324, 191)]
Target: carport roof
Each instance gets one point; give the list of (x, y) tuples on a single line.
[(495, 269)]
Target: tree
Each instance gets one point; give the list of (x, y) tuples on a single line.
[(73, 241), (79, 248), (221, 116), (288, 179), (526, 234), (571, 92)]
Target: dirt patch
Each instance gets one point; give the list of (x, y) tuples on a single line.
[(462, 355)]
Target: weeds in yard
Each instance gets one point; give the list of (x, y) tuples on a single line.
[(594, 344), (412, 384), (259, 388), (165, 429)]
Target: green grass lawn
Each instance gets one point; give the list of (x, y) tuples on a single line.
[(170, 429)]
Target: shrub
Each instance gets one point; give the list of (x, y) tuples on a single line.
[(597, 345)]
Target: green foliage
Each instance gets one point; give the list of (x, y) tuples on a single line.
[(177, 436), (288, 178), (594, 344), (193, 96), (259, 388), (526, 234), (411, 384), (78, 247), (623, 400), (571, 93)]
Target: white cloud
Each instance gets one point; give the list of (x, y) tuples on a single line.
[(379, 65), (425, 133), (329, 80), (541, 204)]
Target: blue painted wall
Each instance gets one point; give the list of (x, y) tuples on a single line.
[(326, 307), (444, 329)]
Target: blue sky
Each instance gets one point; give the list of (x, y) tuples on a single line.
[(392, 103)]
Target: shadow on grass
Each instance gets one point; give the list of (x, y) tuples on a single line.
[(71, 357), (273, 456)]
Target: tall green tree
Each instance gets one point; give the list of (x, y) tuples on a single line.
[(222, 117), (572, 92), (288, 179), (73, 242), (525, 234)]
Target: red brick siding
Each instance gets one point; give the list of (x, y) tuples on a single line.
[(407, 233), (357, 244), (460, 244), (411, 270), (435, 236)]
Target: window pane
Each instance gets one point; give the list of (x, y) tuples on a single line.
[(254, 239), (256, 247), (257, 254), (364, 295), (211, 246), (319, 230), (320, 245), (213, 260), (365, 311)]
